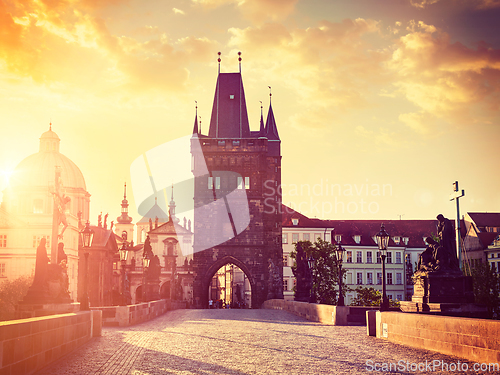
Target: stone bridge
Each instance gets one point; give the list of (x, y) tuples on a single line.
[(239, 342)]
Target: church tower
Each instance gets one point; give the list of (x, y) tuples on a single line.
[(237, 217), (124, 221)]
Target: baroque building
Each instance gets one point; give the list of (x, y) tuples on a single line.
[(237, 176), (26, 213)]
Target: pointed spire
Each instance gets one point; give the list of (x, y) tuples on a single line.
[(262, 130), (124, 218), (271, 129), (195, 128), (239, 60)]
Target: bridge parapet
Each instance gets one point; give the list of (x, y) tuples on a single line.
[(27, 345)]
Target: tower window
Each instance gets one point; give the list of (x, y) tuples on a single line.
[(210, 183), (231, 96), (38, 206), (217, 182)]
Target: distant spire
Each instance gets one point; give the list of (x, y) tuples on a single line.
[(262, 130), (239, 60), (124, 218), (218, 60), (195, 128), (50, 126), (271, 128), (171, 208)]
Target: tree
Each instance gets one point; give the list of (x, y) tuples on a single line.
[(11, 292), (366, 297), (324, 272), (486, 284)]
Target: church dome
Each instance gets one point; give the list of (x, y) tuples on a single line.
[(39, 169)]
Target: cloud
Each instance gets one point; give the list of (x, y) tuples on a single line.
[(65, 44), (329, 67), (447, 80), (471, 4), (258, 11), (178, 11)]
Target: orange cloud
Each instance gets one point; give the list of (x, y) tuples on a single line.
[(258, 11), (472, 4), (445, 80)]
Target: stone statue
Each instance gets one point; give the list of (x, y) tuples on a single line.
[(302, 275), (60, 202), (41, 262), (446, 233)]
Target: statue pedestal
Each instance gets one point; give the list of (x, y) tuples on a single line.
[(442, 288), (443, 294), (25, 310)]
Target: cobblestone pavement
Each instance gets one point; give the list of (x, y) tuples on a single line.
[(241, 342)]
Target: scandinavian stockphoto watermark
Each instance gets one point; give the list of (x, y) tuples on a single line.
[(323, 199), (430, 366)]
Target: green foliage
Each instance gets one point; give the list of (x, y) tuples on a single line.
[(325, 271), (11, 292), (366, 297), (486, 284)]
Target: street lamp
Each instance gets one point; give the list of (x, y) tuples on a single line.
[(87, 236), (123, 258), (383, 241), (340, 253), (145, 265), (311, 262)]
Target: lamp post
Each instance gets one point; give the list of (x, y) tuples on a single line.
[(123, 258), (340, 254), (310, 263), (383, 241), (87, 236), (145, 265)]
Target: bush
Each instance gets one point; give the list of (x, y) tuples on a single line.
[(11, 292)]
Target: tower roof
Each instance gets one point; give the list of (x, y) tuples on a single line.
[(229, 112), (153, 213), (271, 128)]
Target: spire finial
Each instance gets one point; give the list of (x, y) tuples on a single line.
[(200, 123), (172, 191), (218, 60), (125, 191), (50, 125), (195, 128), (239, 60), (270, 94)]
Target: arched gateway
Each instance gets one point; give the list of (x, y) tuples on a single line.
[(237, 200)]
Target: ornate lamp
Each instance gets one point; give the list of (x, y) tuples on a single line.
[(340, 256), (87, 236), (383, 242)]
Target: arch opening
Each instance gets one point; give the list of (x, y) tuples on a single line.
[(229, 287)]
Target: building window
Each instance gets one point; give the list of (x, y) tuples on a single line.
[(240, 183), (359, 256), (284, 238), (398, 257), (2, 269), (357, 239), (349, 278), (316, 236), (389, 296), (217, 183), (399, 278), (285, 260), (36, 241), (236, 143), (349, 257), (338, 238), (396, 239), (389, 278), (295, 237), (405, 240), (295, 221), (38, 206), (285, 285), (3, 240), (369, 278), (389, 257), (399, 297), (210, 183), (247, 183), (359, 278), (379, 278), (328, 237), (379, 259), (306, 237), (369, 257), (221, 143)]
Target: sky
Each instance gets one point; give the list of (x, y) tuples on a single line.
[(380, 105)]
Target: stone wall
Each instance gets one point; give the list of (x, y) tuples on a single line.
[(123, 316), (327, 314), (473, 339), (26, 345)]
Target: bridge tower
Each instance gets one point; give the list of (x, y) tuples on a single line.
[(237, 200)]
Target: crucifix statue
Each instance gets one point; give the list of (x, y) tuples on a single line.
[(456, 195), (59, 215)]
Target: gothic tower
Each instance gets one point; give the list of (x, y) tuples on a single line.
[(124, 221), (237, 200)]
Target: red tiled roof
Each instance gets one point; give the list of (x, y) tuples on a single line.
[(485, 219), (415, 230)]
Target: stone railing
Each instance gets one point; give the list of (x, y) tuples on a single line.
[(327, 314), (473, 339), (123, 316), (26, 345)]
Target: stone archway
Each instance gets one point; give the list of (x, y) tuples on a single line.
[(202, 282)]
